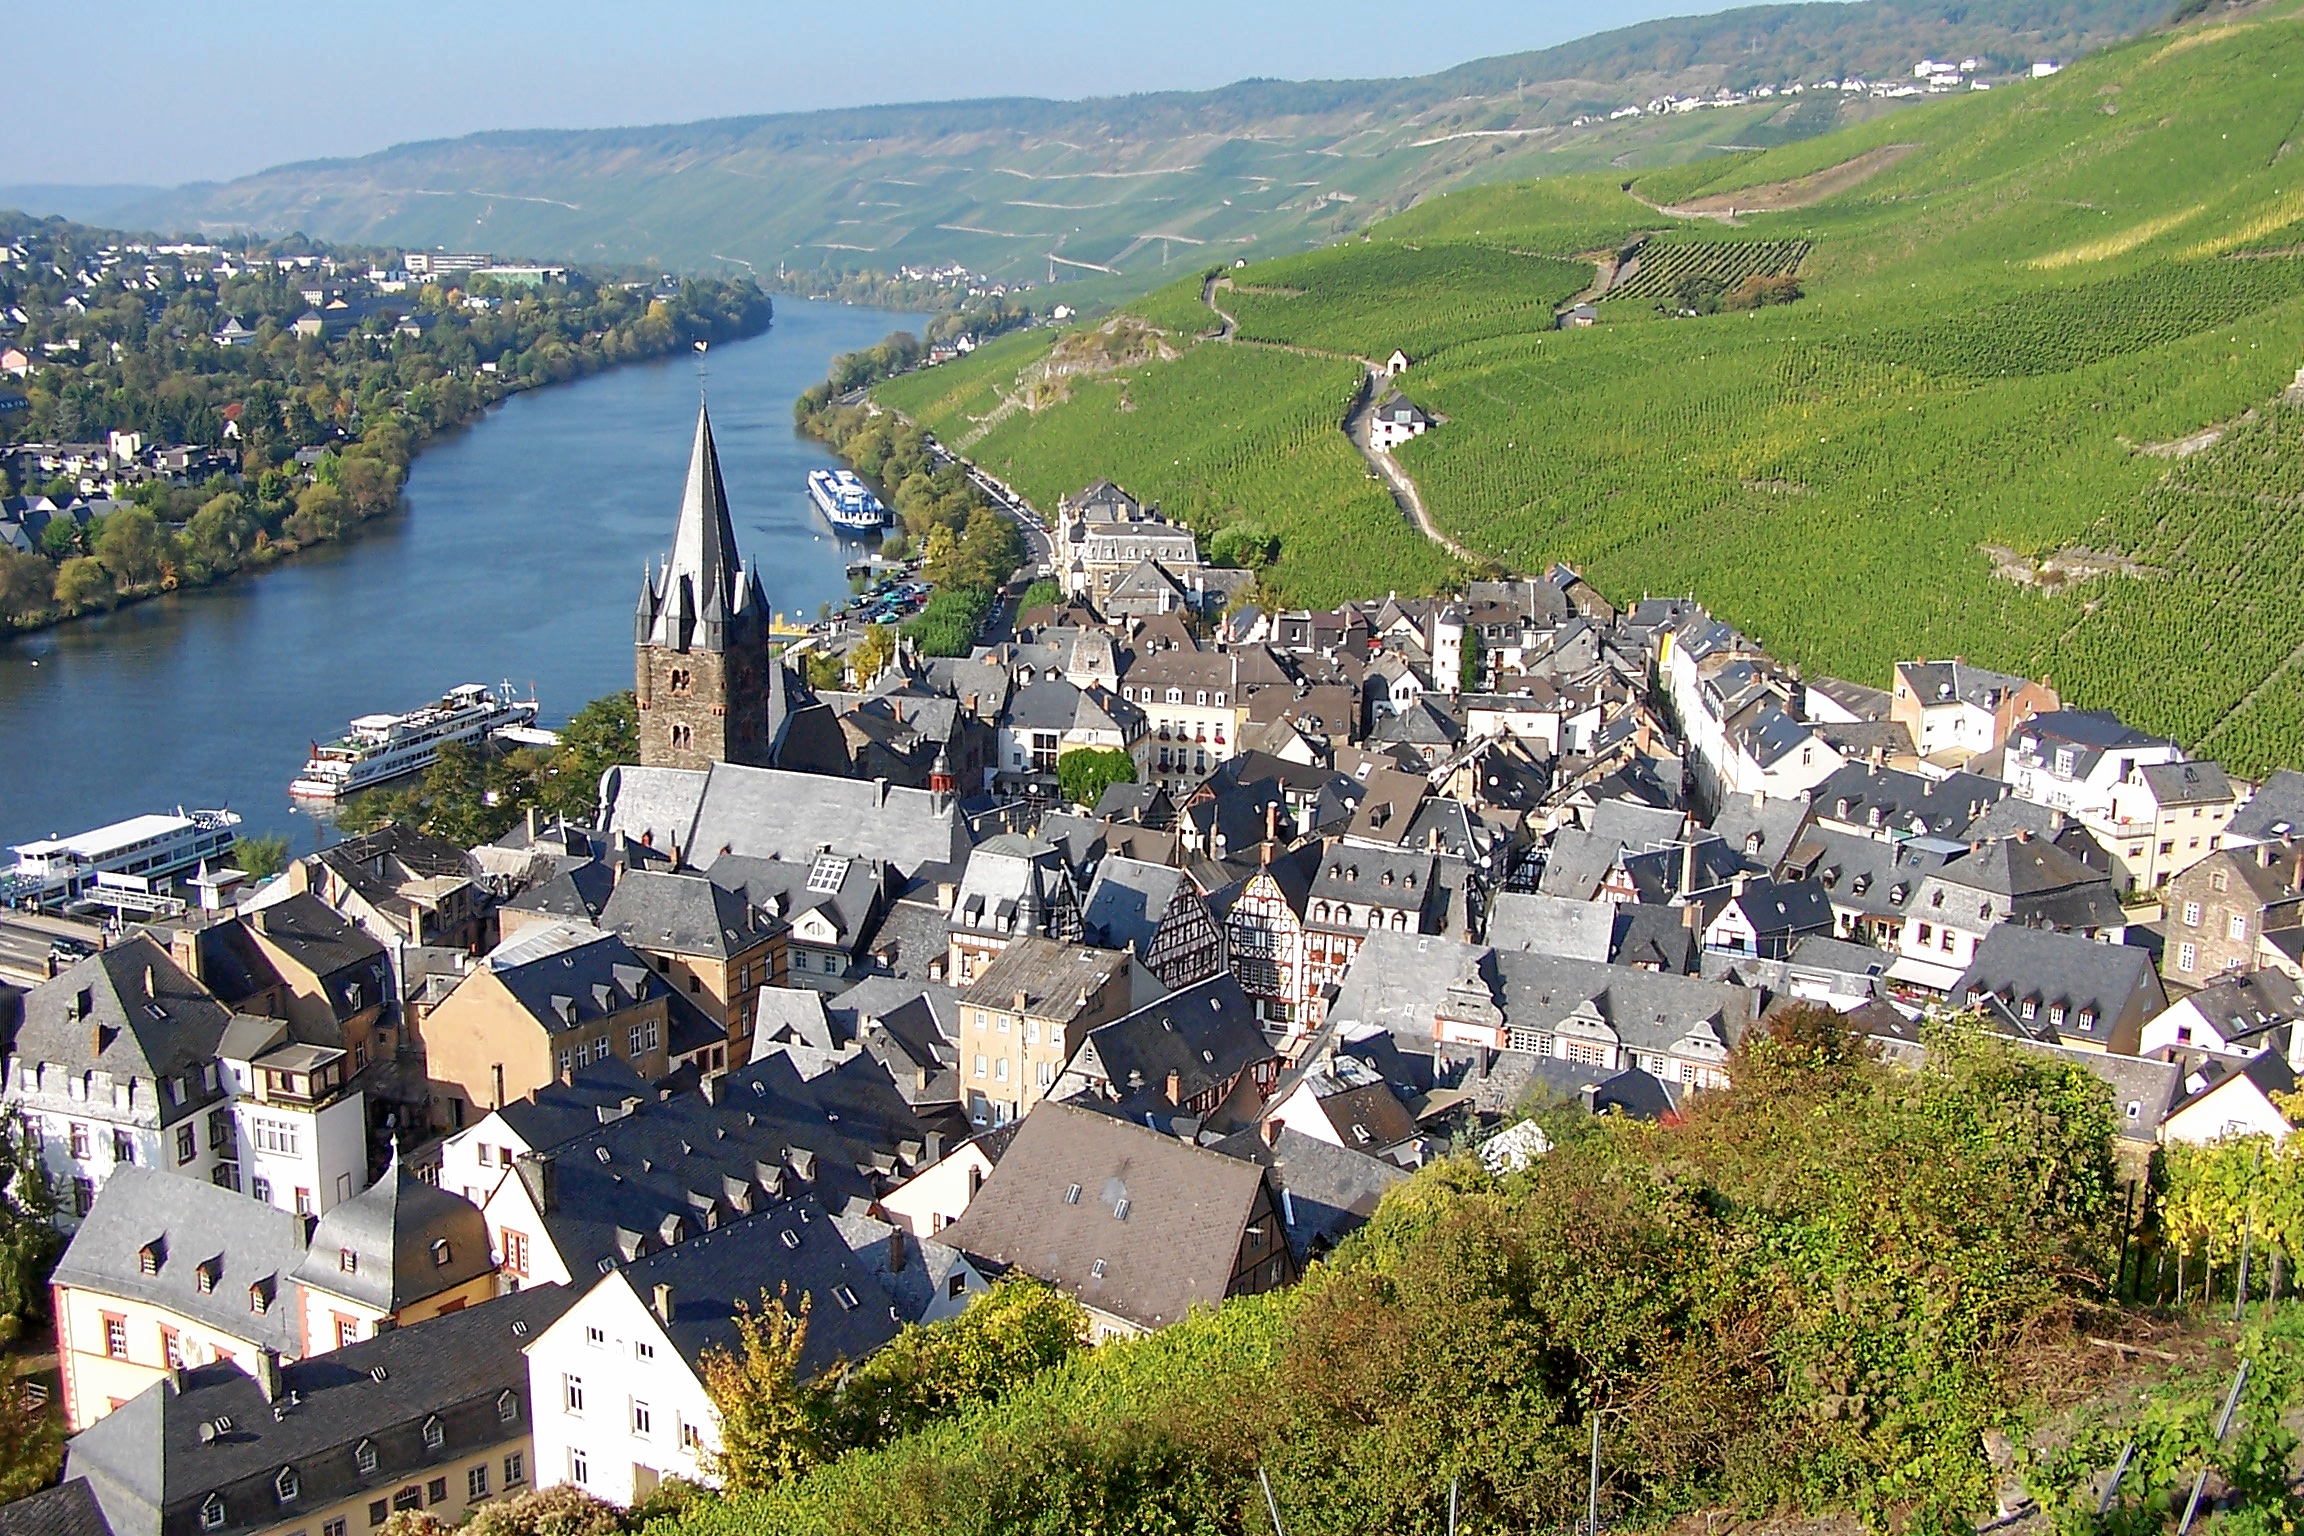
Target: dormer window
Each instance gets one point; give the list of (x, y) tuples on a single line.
[(508, 1408), (441, 1253), (347, 1262), (212, 1512), (287, 1486), (364, 1457), (435, 1433)]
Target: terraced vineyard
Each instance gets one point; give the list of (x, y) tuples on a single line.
[(2026, 333), (1663, 265)]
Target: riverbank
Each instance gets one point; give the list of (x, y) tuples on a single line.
[(517, 557), (333, 501)]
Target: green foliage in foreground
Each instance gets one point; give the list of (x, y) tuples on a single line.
[(1816, 1290), (474, 797), (948, 625)]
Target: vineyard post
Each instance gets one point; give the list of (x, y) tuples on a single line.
[(2247, 1238)]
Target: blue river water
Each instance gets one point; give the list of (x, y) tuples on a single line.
[(518, 557)]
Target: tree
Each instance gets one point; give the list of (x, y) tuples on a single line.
[(1004, 1338), (27, 582), (133, 548), (29, 1242), (320, 514), (1468, 666), (561, 1510), (771, 1421), (603, 734), (31, 1441), (1041, 594), (82, 582), (1084, 773), (414, 1522), (1244, 546), (872, 653), (260, 856)]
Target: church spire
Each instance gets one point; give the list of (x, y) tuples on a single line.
[(702, 568)]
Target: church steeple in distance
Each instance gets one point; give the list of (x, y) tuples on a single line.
[(701, 634)]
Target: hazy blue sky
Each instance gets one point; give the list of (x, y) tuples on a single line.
[(164, 91)]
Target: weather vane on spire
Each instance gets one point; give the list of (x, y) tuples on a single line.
[(701, 347)]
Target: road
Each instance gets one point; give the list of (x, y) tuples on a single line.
[(1039, 543), (24, 941), (1404, 492)]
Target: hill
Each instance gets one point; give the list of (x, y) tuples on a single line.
[(2034, 407), (1026, 189)]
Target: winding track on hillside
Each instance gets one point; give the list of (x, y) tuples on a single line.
[(1405, 496)]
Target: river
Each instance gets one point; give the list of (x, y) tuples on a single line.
[(518, 556)]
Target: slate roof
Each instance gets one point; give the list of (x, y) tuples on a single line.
[(595, 976), (747, 1258), (559, 1111), (2035, 882), (1327, 1192), (912, 1270), (200, 1236), (1154, 1231), (152, 1461), (1651, 936), (1205, 1036), (1552, 925), (145, 1019), (390, 1230), (576, 893), (2268, 1071), (319, 938), (2277, 804), (1127, 902), (1778, 909), (2050, 969), (1891, 800), (69, 1509), (770, 812), (2187, 783), (687, 914), (1053, 978), (1938, 683)]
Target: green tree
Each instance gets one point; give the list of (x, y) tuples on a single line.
[(1084, 773), (321, 511), (772, 1423), (603, 734), (82, 582), (561, 1510), (29, 1242), (261, 856), (31, 1441), (134, 548), (1468, 665), (1041, 594), (1003, 1339), (27, 584)]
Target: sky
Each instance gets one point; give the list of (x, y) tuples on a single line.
[(170, 92)]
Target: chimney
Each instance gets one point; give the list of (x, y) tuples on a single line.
[(1688, 912), (531, 826), (1687, 866), (710, 1086), (539, 1171), (1175, 1088), (895, 1250), (946, 894), (663, 1303), (184, 949), (932, 1149), (268, 1373), (1270, 1131)]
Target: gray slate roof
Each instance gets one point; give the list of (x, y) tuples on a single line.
[(390, 1230), (2050, 969), (2278, 803), (1172, 1246), (1327, 1192), (200, 1235), (1127, 901), (775, 812), (144, 1018), (1206, 1035), (1552, 925), (69, 1509)]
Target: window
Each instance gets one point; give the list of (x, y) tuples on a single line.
[(476, 1482), (2216, 880), (2191, 914), (572, 1393), (410, 1497), (2236, 928), (643, 1350), (691, 1439), (515, 1469), (643, 1422), (115, 1336), (595, 1337), (80, 1143), (347, 1261), (516, 1253), (442, 1254), (683, 738), (187, 1143), (261, 1188), (212, 1512), (508, 1408), (172, 1348), (980, 1068), (332, 1528), (347, 1330), (579, 1465), (2187, 956), (364, 1457), (286, 1487), (124, 1146), (957, 1285), (435, 1434), (436, 1492), (377, 1510)]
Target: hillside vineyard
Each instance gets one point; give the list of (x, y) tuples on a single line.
[(2035, 402)]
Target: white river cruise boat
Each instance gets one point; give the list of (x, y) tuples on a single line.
[(145, 850), (846, 501), (378, 748)]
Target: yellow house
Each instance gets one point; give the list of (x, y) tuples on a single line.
[(433, 1418), (542, 1008), (165, 1272), (399, 1252)]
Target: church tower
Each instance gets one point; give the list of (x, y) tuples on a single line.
[(702, 670)]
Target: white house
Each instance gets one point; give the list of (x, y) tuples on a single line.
[(2074, 760), (617, 1382), (2225, 1101), (2239, 1015), (303, 1135), (938, 1195), (1395, 420)]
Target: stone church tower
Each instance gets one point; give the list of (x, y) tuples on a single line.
[(705, 682)]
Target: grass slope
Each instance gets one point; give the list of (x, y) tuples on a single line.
[(2007, 332), (1137, 185)]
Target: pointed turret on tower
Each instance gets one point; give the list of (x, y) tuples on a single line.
[(701, 635)]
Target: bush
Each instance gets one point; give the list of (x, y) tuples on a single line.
[(1084, 773), (561, 1510)]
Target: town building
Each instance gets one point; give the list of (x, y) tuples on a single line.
[(1014, 887), (1136, 1226), (433, 1418), (1027, 1012), (302, 1131), (1154, 912), (708, 941), (400, 1251), (2225, 911), (166, 1273), (1957, 713), (1103, 533)]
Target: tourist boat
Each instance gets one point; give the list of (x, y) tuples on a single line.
[(147, 850), (378, 748), (846, 501)]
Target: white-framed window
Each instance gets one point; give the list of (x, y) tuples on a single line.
[(287, 1486), (2191, 914), (572, 1393), (476, 1482), (2236, 928), (212, 1512), (643, 1422), (2187, 956), (579, 1466)]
